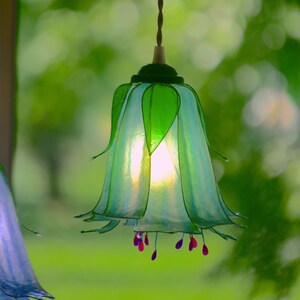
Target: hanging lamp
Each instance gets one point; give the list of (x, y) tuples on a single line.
[(159, 175), (17, 280)]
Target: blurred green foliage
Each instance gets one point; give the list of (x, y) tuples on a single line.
[(243, 58)]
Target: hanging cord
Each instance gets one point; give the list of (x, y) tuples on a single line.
[(159, 52), (160, 22)]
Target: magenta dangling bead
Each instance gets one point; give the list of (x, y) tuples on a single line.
[(179, 244), (191, 246), (146, 240), (154, 254), (141, 246), (204, 250), (194, 242)]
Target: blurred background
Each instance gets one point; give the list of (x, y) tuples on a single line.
[(243, 58)]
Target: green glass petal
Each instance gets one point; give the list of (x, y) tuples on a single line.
[(166, 211), (96, 217), (126, 187), (100, 206), (161, 103), (108, 227), (118, 101), (223, 235), (201, 115), (225, 207), (201, 195)]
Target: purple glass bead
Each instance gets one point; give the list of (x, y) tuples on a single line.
[(179, 244), (135, 240), (154, 254)]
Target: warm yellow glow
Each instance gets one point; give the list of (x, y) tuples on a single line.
[(136, 160), (162, 168)]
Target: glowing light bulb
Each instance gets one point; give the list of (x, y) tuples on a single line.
[(136, 159), (162, 167)]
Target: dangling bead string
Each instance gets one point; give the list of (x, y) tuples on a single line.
[(141, 242), (179, 243), (204, 247), (137, 238), (138, 241), (160, 22), (154, 254), (159, 52)]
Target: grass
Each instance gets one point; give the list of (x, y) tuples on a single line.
[(107, 266)]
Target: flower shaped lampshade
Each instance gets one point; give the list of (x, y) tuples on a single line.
[(159, 175), (17, 280)]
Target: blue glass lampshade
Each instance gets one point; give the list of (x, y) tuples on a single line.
[(17, 280)]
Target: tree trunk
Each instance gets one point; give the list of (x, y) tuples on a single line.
[(8, 14)]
